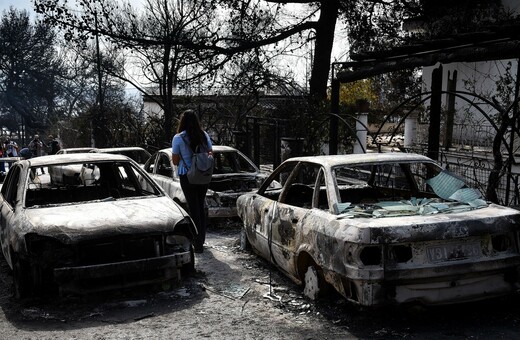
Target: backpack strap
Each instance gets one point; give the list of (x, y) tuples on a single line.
[(189, 147)]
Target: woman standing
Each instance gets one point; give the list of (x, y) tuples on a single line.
[(189, 136)]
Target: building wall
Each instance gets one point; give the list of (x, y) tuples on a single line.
[(480, 78)]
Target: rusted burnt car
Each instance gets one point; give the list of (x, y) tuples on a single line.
[(382, 229), (113, 228), (233, 174)]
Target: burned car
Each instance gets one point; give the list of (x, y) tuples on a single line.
[(68, 173), (74, 150), (114, 228), (233, 174), (136, 153), (382, 229)]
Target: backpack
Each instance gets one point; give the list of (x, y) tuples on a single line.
[(201, 168)]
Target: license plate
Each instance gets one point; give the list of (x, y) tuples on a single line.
[(454, 252)]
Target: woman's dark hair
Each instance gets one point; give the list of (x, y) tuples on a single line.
[(189, 121)]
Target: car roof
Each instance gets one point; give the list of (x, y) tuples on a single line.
[(10, 159), (122, 148), (215, 148), (86, 149), (365, 158), (75, 157)]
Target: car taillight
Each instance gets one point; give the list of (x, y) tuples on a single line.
[(400, 253), (501, 243)]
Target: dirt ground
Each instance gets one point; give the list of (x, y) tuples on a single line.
[(235, 295)]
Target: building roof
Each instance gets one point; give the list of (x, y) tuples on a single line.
[(490, 43)]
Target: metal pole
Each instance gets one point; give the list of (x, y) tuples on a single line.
[(99, 114), (334, 109), (434, 130)]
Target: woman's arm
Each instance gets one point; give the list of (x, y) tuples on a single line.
[(176, 159)]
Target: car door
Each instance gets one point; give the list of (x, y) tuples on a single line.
[(287, 220), (165, 177), (8, 201)]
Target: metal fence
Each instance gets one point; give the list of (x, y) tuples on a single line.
[(476, 168)]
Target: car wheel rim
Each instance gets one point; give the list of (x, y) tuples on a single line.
[(311, 288)]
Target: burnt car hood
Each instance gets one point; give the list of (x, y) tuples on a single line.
[(491, 219), (80, 222)]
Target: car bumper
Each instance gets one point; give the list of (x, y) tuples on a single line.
[(99, 277), (462, 282)]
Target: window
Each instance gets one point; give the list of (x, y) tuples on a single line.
[(150, 164), (164, 166), (10, 188), (299, 188)]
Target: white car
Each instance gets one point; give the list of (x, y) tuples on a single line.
[(74, 150), (114, 228), (68, 174), (138, 154), (385, 228), (233, 174)]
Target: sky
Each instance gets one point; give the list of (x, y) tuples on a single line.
[(20, 4), (300, 64), (27, 4)]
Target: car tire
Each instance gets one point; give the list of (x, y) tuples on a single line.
[(21, 278), (189, 268), (244, 241)]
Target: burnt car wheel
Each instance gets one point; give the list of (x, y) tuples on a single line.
[(22, 279), (189, 267), (314, 283), (244, 242)]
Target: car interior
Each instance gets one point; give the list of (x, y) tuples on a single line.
[(95, 181)]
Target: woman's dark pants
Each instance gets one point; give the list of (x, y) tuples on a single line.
[(195, 197)]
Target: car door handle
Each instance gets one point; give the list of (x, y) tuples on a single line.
[(294, 220)]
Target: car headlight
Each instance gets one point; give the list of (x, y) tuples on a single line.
[(400, 253), (177, 243), (47, 249)]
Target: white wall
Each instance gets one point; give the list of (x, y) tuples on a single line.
[(480, 78)]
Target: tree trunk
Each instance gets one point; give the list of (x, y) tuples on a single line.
[(323, 49), (494, 176), (167, 84)]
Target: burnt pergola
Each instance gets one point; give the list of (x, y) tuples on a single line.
[(492, 43)]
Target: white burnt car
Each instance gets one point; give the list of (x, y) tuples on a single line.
[(138, 154), (67, 173), (74, 150), (382, 228), (114, 228), (233, 175)]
